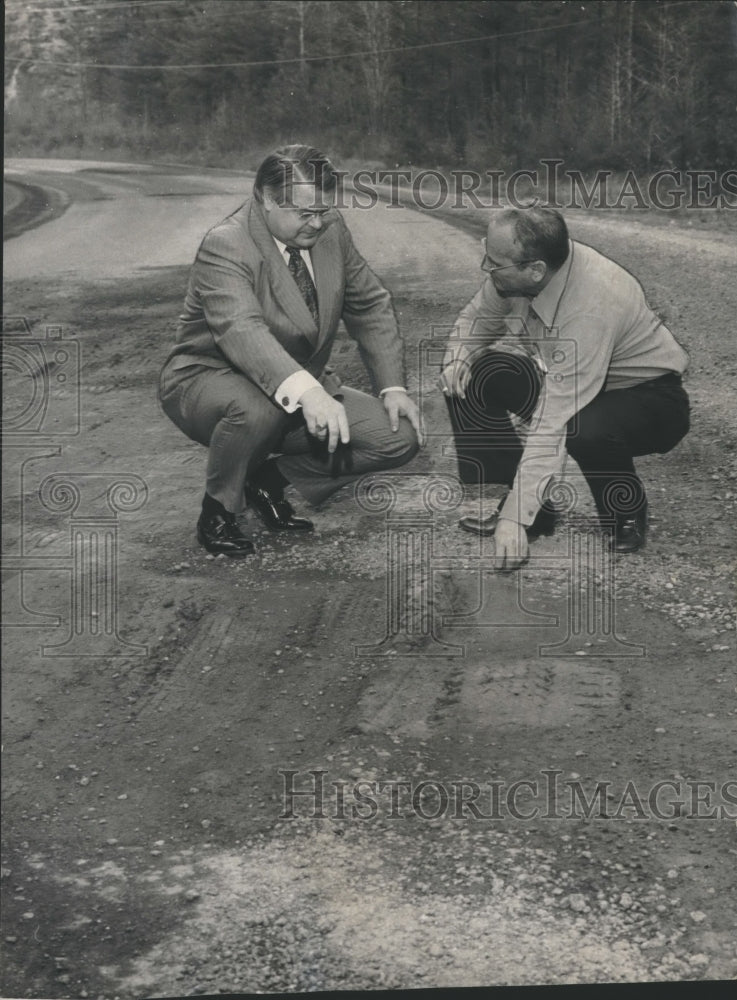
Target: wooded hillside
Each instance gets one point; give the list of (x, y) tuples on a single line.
[(633, 84)]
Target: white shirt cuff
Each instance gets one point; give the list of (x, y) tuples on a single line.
[(392, 388), (292, 388)]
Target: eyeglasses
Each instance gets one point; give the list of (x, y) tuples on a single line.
[(317, 213), (489, 266), (304, 213), (307, 214)]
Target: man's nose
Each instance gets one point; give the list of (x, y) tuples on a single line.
[(316, 222)]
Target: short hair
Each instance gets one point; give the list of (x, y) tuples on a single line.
[(541, 233), (290, 165)]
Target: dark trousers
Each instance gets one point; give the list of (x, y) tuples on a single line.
[(603, 437)]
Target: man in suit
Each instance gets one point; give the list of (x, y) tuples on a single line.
[(248, 376), (591, 370)]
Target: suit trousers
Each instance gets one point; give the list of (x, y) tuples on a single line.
[(242, 427), (603, 437)]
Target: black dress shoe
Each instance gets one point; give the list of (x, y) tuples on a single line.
[(480, 525), (219, 533), (276, 512), (630, 532), (544, 524)]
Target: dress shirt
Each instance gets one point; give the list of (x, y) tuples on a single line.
[(290, 391), (589, 329)]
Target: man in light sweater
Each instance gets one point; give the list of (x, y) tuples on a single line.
[(591, 371)]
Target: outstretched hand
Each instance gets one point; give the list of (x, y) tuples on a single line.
[(511, 545)]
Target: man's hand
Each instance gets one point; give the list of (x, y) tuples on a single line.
[(398, 404), (456, 372), (510, 541), (325, 417)]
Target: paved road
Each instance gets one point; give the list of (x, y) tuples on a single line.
[(125, 217), (122, 217), (12, 196)]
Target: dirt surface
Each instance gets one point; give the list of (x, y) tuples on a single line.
[(149, 737)]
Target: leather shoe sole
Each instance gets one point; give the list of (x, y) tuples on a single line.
[(544, 524), (479, 525)]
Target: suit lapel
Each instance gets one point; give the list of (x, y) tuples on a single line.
[(326, 263), (283, 284)]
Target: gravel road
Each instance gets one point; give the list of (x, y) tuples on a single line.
[(148, 846)]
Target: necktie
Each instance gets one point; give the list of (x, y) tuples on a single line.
[(536, 332), (298, 270)]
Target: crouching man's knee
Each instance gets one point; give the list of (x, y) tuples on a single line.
[(390, 449), (405, 442)]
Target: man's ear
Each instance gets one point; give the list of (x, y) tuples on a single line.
[(268, 202), (538, 270)]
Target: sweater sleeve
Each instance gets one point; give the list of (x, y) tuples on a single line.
[(577, 368)]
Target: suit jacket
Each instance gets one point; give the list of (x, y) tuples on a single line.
[(243, 309)]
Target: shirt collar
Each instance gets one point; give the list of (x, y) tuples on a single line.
[(547, 301), (282, 247)]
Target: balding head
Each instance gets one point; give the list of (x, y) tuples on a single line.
[(539, 233), (524, 249)]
